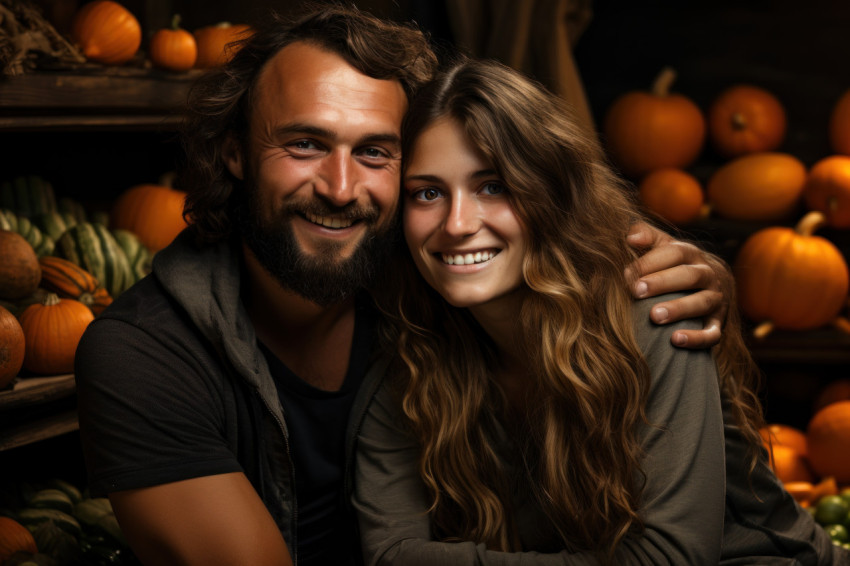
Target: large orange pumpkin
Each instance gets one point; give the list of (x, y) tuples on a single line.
[(12, 347), (154, 213), (173, 48), (52, 330), (20, 271), (828, 436), (645, 131), (827, 190), (213, 42), (14, 537), (673, 194), (746, 119), (790, 278), (839, 125), (765, 186), (106, 32)]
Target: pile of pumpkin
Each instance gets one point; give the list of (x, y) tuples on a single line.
[(814, 464), (54, 523), (108, 33), (63, 265), (786, 277)]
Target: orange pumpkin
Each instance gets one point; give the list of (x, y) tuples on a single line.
[(14, 537), (52, 330), (19, 268), (784, 435), (827, 190), (673, 194), (69, 280), (746, 119), (153, 212), (106, 32), (828, 436), (214, 47), (12, 344), (173, 48), (790, 278), (645, 131), (764, 186), (839, 125), (789, 465)]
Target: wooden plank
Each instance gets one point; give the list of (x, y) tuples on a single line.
[(37, 390), (146, 91), (118, 122), (40, 429)]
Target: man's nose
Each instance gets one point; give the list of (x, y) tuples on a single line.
[(338, 182)]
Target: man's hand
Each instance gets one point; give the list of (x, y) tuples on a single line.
[(670, 265)]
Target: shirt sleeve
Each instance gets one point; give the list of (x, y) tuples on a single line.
[(149, 412), (683, 499)]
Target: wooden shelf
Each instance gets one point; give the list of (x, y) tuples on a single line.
[(37, 408), (94, 97)]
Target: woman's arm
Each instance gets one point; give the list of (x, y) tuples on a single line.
[(683, 502)]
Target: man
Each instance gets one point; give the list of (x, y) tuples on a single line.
[(220, 396)]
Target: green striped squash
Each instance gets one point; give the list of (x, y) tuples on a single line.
[(40, 242), (72, 208), (27, 195), (137, 253), (54, 224), (92, 247)]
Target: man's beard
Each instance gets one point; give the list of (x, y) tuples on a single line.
[(323, 277)]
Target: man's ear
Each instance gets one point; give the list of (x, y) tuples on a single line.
[(231, 152)]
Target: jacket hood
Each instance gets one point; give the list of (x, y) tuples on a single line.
[(205, 280)]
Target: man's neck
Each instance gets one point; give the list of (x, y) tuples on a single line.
[(312, 340)]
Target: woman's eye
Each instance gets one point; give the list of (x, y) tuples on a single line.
[(494, 189), (428, 193)]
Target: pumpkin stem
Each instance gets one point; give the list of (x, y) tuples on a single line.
[(705, 211), (762, 330), (51, 299), (810, 223), (663, 82), (841, 324), (739, 122), (175, 22)]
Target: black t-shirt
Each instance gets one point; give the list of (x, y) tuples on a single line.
[(317, 422)]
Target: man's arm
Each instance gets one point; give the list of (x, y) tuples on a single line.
[(670, 265), (205, 521)]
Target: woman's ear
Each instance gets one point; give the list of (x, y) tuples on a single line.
[(232, 155)]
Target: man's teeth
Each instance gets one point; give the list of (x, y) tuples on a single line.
[(468, 259), (329, 221)]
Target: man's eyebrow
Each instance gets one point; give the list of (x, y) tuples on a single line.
[(312, 130)]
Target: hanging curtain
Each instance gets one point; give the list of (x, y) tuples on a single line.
[(534, 36)]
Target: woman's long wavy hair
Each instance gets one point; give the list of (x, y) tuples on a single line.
[(589, 381), (221, 101)]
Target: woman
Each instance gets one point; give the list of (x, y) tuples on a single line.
[(536, 416)]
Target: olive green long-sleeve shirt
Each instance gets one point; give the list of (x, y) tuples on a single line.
[(697, 505)]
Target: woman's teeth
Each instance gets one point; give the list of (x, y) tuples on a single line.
[(468, 259)]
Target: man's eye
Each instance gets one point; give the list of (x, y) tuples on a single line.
[(304, 144), (375, 152)]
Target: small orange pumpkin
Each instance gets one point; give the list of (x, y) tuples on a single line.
[(645, 131), (673, 194), (52, 330), (839, 125), (790, 278), (153, 212), (106, 32), (12, 347), (173, 48), (828, 435), (214, 43), (765, 186), (14, 537), (746, 119), (827, 190)]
